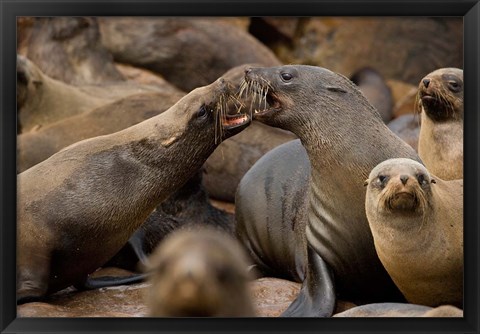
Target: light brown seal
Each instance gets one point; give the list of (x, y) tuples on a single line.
[(417, 225), (340, 132), (76, 209), (440, 144), (199, 272)]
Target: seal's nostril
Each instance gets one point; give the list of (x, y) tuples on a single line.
[(426, 82), (404, 179)]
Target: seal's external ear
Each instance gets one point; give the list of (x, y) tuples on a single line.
[(366, 182), (433, 181)]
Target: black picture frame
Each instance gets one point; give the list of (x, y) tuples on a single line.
[(9, 9)]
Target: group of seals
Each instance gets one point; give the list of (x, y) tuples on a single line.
[(344, 138), (440, 144), (100, 190), (417, 226), (200, 273)]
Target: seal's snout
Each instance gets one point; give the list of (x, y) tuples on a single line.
[(248, 70), (426, 82), (404, 179)]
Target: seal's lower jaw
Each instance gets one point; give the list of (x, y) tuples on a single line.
[(233, 124)]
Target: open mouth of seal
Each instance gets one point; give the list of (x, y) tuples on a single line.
[(263, 99), (233, 121)]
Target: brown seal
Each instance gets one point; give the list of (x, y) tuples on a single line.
[(134, 40), (76, 209), (373, 85), (69, 49), (440, 144), (200, 273), (417, 225), (340, 131), (42, 100)]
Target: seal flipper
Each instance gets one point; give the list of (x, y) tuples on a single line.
[(317, 296), (108, 281)]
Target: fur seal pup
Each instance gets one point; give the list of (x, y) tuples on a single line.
[(78, 208), (417, 225), (440, 144), (69, 49), (199, 273), (372, 84), (36, 146), (135, 41), (344, 138)]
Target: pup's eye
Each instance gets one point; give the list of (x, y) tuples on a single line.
[(286, 76), (422, 180), (454, 86), (382, 178), (202, 112)]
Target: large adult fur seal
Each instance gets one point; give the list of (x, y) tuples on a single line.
[(344, 138), (188, 52), (69, 49), (80, 206), (417, 225), (42, 100), (440, 144), (199, 273)]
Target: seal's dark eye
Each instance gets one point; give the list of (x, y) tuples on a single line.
[(422, 180), (286, 76), (202, 112), (454, 86), (382, 178)]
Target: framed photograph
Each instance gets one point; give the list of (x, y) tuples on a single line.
[(125, 71)]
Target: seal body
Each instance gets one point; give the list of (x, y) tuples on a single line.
[(199, 272), (341, 133), (440, 144), (417, 226), (79, 207)]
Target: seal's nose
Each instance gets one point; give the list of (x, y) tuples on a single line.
[(404, 179), (248, 70), (426, 82)]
